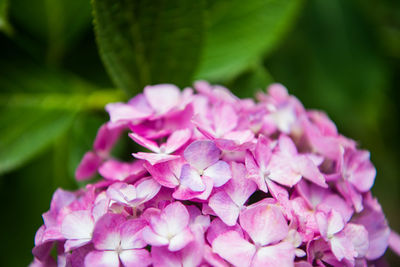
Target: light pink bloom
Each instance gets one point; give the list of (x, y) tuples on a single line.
[(347, 241), (118, 240), (228, 202), (203, 161), (133, 195), (115, 170), (266, 227), (169, 227), (162, 153)]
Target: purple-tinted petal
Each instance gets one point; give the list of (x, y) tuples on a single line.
[(264, 223), (309, 170), (147, 188), (233, 248), (394, 242), (281, 254), (224, 207), (162, 97), (202, 154), (357, 235), (88, 166), (154, 158), (176, 140), (135, 257), (219, 172), (282, 171), (190, 178), (102, 259), (106, 234)]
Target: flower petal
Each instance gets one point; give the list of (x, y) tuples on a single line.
[(135, 257), (224, 207), (190, 178), (202, 154), (281, 254), (106, 234), (264, 223), (102, 259), (220, 173), (233, 248)]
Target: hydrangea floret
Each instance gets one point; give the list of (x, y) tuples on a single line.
[(220, 181)]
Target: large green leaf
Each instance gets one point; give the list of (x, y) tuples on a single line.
[(240, 32), (33, 114), (56, 23), (4, 24), (148, 42)]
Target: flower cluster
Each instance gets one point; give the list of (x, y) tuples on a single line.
[(220, 182)]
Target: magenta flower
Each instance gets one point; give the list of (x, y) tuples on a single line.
[(220, 182), (118, 240)]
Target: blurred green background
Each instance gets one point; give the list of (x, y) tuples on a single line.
[(340, 56)]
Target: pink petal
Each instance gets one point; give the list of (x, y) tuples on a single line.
[(330, 223), (176, 216), (358, 237), (135, 257), (162, 97), (309, 170), (217, 227), (153, 238), (78, 225), (106, 138), (224, 207), (131, 234), (163, 174), (394, 242), (176, 140), (154, 158), (88, 166), (282, 172), (125, 112), (190, 178), (147, 188), (180, 240), (239, 188), (102, 259), (263, 152), (264, 223), (219, 172), (145, 142), (202, 154), (75, 243), (226, 120), (118, 171), (233, 248), (286, 145), (162, 257), (281, 254), (106, 234)]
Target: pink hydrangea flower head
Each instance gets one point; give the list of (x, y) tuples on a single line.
[(218, 181)]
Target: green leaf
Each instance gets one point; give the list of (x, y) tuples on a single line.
[(28, 132), (239, 33), (4, 23), (56, 23), (250, 82), (34, 115), (148, 42)]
